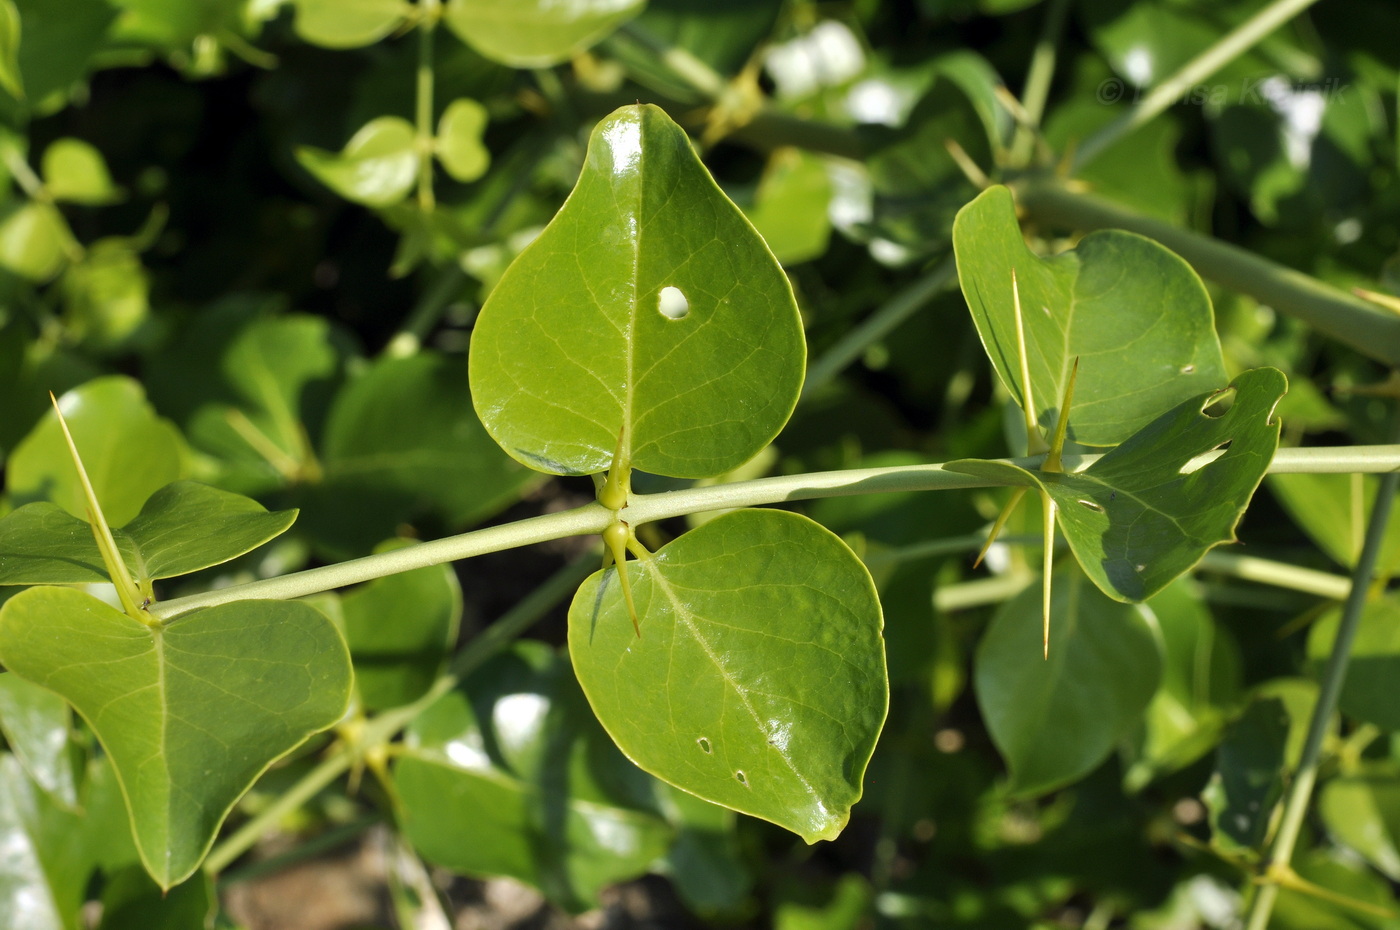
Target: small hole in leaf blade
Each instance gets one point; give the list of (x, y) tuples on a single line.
[(742, 778), (672, 303), (704, 745)]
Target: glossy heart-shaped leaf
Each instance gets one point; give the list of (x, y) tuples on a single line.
[(758, 681), (535, 33), (514, 761), (348, 23), (650, 310), (459, 145), (191, 713), (129, 451), (1145, 512), (1055, 719), (1135, 315), (184, 527), (377, 166)]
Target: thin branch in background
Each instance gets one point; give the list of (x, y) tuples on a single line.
[(1174, 87)]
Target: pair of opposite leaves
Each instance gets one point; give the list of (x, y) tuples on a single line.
[(582, 342)]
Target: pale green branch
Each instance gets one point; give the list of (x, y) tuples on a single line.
[(647, 508)]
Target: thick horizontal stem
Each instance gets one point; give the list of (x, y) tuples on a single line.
[(581, 521), (648, 508), (1331, 312)]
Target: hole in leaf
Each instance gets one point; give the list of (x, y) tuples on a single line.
[(672, 303), (1219, 403), (1092, 505), (742, 778), (1205, 458), (704, 745)]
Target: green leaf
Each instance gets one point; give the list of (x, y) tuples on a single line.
[(36, 723), (401, 442), (845, 904), (58, 40), (400, 629), (1139, 517), (10, 34), (42, 883), (459, 145), (758, 681), (107, 293), (183, 528), (1200, 679), (1334, 511), (174, 26), (790, 206), (535, 33), (130, 453), (1363, 812), (248, 387), (1368, 693), (1054, 720), (649, 309), (918, 186), (131, 901), (514, 760), (75, 171), (190, 713), (34, 240), (1339, 874), (348, 23), (706, 861), (377, 166), (1135, 315), (1260, 745)]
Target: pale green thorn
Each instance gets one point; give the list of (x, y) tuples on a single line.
[(127, 590), (616, 539), (1054, 458), (1000, 523), (1034, 443)]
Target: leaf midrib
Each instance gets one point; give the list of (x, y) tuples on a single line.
[(683, 614)]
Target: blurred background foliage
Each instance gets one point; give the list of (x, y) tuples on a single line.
[(251, 237)]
